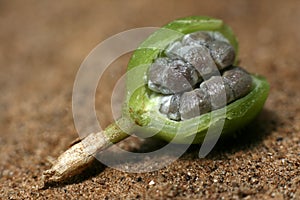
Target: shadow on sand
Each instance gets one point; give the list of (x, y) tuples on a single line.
[(245, 139)]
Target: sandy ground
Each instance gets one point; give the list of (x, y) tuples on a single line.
[(42, 46)]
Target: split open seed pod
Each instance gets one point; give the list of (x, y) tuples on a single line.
[(142, 104), (141, 113)]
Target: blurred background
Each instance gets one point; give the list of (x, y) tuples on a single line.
[(43, 43)]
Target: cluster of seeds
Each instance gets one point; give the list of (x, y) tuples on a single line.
[(197, 76)]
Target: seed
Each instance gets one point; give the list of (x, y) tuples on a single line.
[(170, 106), (172, 50), (197, 38), (222, 53), (215, 89), (239, 81), (194, 103), (168, 76), (201, 59), (198, 56)]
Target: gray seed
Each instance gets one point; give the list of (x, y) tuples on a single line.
[(215, 89), (194, 103), (172, 49), (171, 76), (165, 104), (197, 38), (155, 77), (239, 81), (170, 106), (229, 92), (200, 58), (218, 37), (174, 107), (222, 53)]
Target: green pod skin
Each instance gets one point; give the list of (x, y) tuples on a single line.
[(142, 109)]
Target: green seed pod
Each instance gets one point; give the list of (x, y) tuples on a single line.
[(142, 106), (141, 112)]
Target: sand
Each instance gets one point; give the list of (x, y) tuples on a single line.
[(42, 46)]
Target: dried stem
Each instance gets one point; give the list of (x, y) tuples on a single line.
[(79, 156)]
